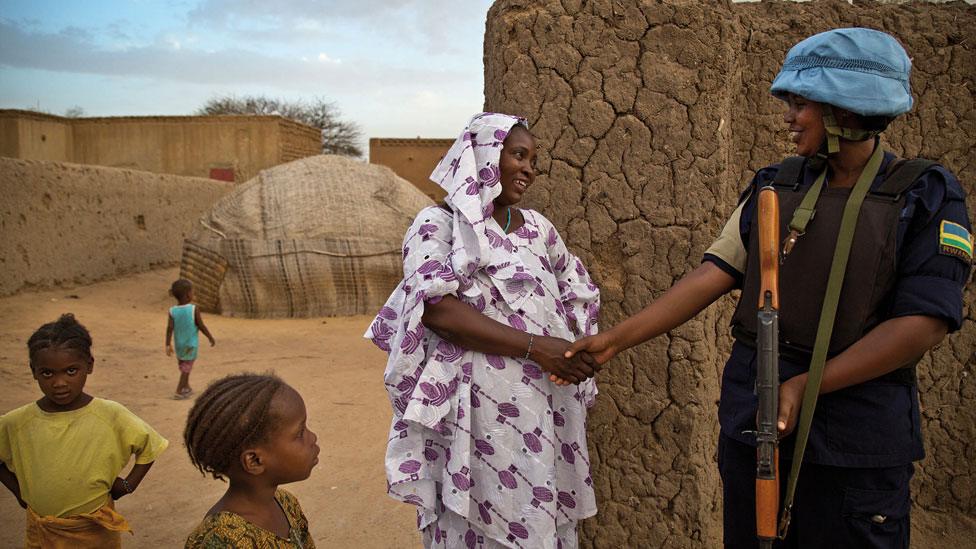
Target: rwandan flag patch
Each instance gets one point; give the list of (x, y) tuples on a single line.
[(955, 240)]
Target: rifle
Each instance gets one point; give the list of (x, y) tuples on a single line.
[(767, 374)]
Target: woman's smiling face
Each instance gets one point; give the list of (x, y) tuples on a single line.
[(516, 164), (805, 121)]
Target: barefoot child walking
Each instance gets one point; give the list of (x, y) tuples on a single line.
[(61, 455), (251, 429), (184, 323)]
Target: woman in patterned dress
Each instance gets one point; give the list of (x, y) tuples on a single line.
[(490, 450)]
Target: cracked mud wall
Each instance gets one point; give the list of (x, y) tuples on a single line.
[(66, 224), (651, 117)]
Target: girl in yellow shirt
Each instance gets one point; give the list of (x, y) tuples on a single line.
[(61, 455)]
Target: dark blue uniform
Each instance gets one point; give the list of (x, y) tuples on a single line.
[(853, 488)]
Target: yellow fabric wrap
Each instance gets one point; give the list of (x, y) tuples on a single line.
[(100, 529)]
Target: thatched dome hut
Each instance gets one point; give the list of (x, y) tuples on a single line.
[(319, 236)]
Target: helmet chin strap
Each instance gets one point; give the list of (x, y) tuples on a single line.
[(818, 161), (835, 132)]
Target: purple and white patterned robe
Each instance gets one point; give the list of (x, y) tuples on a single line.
[(490, 451)]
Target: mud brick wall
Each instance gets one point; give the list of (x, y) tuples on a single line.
[(192, 146), (651, 117), (298, 141), (65, 224)]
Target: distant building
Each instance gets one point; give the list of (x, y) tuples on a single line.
[(228, 147), (411, 159)]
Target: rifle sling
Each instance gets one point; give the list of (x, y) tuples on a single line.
[(825, 327)]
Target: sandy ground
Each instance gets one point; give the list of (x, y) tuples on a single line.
[(336, 371)]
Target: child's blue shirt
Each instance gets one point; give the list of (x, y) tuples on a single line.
[(185, 337)]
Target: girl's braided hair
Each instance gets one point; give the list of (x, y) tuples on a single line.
[(63, 333), (230, 414)]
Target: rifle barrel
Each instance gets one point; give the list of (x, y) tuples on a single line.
[(767, 372)]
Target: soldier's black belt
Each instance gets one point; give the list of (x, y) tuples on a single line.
[(791, 353)]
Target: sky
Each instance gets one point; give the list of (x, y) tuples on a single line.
[(398, 68)]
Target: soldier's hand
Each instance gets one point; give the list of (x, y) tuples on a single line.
[(600, 348), (790, 398)]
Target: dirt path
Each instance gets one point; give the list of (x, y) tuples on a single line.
[(336, 371)]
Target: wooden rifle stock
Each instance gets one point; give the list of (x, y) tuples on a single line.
[(767, 375), (769, 247)]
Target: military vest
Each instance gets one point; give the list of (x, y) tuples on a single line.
[(871, 272)]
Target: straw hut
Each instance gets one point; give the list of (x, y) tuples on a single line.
[(319, 236)]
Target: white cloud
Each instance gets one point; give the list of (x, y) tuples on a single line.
[(433, 26), (305, 24), (324, 58)]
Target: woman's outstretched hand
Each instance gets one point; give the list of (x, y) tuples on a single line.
[(550, 354)]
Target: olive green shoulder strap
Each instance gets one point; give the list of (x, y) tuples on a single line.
[(825, 327)]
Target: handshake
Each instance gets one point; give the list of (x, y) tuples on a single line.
[(571, 363)]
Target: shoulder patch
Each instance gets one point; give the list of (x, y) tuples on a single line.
[(955, 240)]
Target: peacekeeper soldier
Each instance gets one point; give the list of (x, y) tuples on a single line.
[(910, 257)]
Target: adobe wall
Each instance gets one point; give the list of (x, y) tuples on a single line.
[(412, 159), (651, 117), (181, 145), (296, 141), (35, 136), (66, 224)]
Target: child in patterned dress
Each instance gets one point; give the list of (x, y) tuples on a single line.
[(251, 429)]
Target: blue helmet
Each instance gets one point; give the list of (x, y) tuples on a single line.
[(861, 70)]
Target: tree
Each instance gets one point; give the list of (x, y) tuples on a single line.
[(74, 112), (338, 136)]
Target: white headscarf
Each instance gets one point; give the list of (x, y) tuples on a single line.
[(471, 175)]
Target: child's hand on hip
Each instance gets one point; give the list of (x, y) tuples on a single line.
[(120, 488), (169, 350)]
